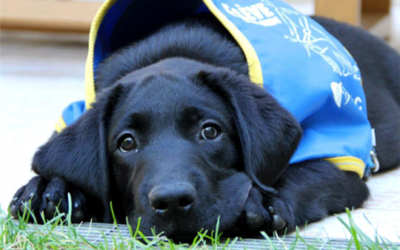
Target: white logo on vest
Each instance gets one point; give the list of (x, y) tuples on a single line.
[(340, 92), (257, 13)]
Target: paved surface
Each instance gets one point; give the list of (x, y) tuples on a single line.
[(97, 233), (39, 78)]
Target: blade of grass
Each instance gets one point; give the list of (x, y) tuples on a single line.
[(216, 237), (271, 244)]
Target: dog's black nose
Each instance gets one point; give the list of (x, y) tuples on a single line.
[(177, 198)]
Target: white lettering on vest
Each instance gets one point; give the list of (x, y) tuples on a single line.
[(257, 13)]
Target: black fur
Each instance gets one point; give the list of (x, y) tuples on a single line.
[(163, 91)]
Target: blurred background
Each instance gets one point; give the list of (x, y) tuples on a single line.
[(75, 16), (43, 47)]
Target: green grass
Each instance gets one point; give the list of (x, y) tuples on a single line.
[(60, 233)]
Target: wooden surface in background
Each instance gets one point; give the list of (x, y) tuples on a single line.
[(47, 15), (348, 11), (76, 16), (353, 11), (376, 6)]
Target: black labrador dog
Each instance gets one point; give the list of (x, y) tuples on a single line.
[(182, 139)]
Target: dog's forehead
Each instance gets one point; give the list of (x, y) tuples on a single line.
[(170, 99)]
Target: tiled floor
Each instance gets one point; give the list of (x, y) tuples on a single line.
[(39, 77)]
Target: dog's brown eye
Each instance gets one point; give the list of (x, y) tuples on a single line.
[(128, 143), (209, 133)]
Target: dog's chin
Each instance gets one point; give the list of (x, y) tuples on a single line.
[(219, 209)]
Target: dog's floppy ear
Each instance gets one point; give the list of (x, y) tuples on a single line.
[(268, 133), (79, 153)]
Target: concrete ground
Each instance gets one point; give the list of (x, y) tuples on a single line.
[(37, 80), (41, 74)]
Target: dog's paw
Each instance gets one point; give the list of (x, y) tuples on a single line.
[(43, 197), (267, 214)]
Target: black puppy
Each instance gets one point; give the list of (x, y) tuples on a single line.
[(179, 136)]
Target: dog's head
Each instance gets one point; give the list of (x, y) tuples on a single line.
[(178, 144)]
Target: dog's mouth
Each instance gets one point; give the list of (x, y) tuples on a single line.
[(220, 210)]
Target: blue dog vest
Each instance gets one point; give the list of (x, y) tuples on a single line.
[(294, 58)]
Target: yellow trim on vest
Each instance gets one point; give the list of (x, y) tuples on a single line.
[(58, 129), (255, 71), (60, 125), (349, 163), (90, 95)]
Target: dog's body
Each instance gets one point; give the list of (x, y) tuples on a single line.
[(180, 137)]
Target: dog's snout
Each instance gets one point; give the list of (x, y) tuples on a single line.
[(177, 198)]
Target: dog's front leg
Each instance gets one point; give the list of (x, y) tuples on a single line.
[(307, 192), (48, 198)]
